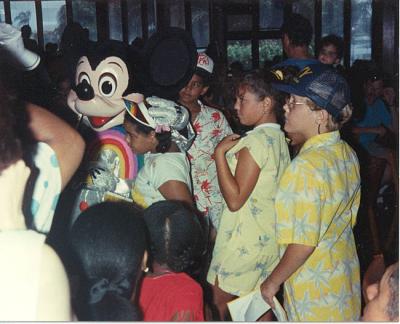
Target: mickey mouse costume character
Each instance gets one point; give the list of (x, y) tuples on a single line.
[(103, 80), (104, 89)]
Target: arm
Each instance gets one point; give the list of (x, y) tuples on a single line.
[(293, 258), (183, 316), (379, 130), (237, 188), (62, 138), (176, 190)]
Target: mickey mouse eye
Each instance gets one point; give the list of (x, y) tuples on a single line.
[(83, 77), (107, 84)]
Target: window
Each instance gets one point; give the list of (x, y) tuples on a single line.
[(134, 20), (54, 20), (239, 23), (24, 13), (84, 12), (361, 15), (2, 13), (269, 49), (200, 22), (176, 13), (151, 17), (271, 14), (332, 17), (240, 50), (114, 20)]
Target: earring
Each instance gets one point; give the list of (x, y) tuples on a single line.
[(145, 270)]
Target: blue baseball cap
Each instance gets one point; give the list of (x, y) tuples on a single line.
[(318, 82)]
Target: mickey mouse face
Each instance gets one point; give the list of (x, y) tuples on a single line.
[(108, 80)]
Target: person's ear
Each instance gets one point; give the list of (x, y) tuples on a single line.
[(203, 92), (267, 104), (321, 116), (372, 291)]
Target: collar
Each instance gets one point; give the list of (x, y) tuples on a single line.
[(265, 125), (321, 140)]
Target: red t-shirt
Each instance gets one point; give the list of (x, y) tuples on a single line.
[(163, 296)]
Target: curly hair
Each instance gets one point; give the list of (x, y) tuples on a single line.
[(176, 236), (298, 29)]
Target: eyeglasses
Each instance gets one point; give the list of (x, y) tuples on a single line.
[(291, 103)]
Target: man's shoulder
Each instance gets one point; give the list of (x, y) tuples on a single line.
[(300, 63)]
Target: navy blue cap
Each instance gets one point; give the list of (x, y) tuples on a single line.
[(318, 82)]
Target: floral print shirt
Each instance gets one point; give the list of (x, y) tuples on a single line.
[(211, 127)]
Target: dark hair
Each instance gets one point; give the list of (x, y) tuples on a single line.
[(334, 40), (108, 242), (176, 236), (205, 76), (260, 85), (10, 143), (164, 138), (298, 29)]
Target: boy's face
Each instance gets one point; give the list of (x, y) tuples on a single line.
[(328, 55), (192, 91)]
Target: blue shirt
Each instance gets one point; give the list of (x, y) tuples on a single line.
[(375, 116)]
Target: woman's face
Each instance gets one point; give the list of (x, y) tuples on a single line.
[(139, 142), (299, 118), (250, 109)]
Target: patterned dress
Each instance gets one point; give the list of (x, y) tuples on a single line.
[(211, 127), (316, 205), (246, 250)]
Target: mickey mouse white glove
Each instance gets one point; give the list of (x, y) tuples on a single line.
[(11, 41), (167, 112)]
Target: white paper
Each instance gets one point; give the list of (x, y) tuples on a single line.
[(252, 306)]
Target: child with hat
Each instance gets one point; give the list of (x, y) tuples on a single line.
[(316, 204), (160, 129), (211, 127)]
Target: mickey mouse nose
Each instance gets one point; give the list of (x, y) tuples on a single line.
[(84, 91)]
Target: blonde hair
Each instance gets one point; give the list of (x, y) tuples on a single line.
[(334, 123)]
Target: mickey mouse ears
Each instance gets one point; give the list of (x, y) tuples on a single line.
[(170, 62)]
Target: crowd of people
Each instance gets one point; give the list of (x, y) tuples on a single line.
[(262, 194)]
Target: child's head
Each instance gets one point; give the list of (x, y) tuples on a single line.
[(319, 100), (200, 81), (255, 99), (152, 126), (330, 49), (176, 235), (108, 242)]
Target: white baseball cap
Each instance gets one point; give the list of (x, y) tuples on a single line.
[(204, 62)]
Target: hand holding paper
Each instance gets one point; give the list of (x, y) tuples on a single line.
[(251, 307)]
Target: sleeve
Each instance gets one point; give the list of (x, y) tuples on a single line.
[(298, 207), (169, 167), (47, 188), (257, 149)]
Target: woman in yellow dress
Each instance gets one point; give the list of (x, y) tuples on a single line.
[(316, 205)]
